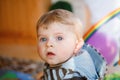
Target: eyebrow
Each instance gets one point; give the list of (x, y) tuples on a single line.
[(45, 35), (40, 35), (58, 33)]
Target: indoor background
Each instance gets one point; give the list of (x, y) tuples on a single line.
[(18, 20)]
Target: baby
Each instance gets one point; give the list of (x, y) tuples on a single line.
[(62, 48)]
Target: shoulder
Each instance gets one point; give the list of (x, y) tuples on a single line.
[(82, 55)]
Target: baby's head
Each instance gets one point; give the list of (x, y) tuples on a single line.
[(59, 33)]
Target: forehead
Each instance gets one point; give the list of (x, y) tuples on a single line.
[(55, 27)]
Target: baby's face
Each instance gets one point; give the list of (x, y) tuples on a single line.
[(56, 44)]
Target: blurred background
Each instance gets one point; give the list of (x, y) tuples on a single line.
[(18, 27), (18, 20)]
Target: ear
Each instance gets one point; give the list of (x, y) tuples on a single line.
[(79, 44)]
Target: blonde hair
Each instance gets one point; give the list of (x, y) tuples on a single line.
[(63, 17)]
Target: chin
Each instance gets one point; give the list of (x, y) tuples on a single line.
[(52, 62)]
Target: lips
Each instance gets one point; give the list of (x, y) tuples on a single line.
[(50, 54)]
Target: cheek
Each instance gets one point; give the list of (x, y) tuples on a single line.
[(40, 49), (41, 52), (70, 45), (66, 48)]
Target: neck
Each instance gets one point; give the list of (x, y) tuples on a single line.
[(59, 64)]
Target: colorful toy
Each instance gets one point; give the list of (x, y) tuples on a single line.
[(104, 41), (114, 76)]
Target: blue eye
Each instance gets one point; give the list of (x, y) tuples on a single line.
[(43, 39), (59, 38)]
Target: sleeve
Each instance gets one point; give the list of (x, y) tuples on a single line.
[(98, 60), (85, 65)]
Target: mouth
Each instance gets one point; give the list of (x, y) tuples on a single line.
[(50, 54)]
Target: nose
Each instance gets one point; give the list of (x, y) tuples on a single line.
[(50, 43)]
